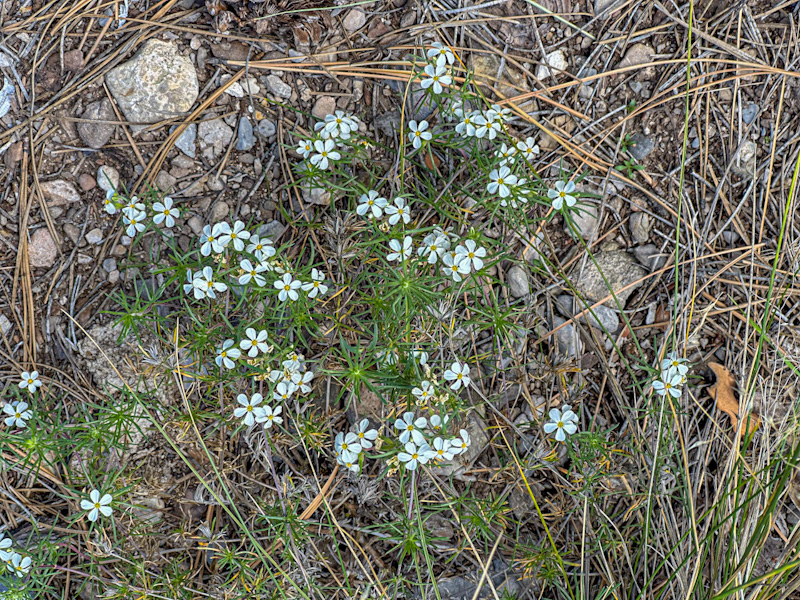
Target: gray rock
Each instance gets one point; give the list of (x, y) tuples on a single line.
[(215, 136), (5, 325), (601, 317), (59, 192), (278, 87), (744, 163), (157, 83), (640, 146), (601, 5), (73, 233), (324, 106), (113, 277), (636, 87), (638, 54), (619, 268), (649, 256), (586, 220), (186, 142), (639, 225), (272, 230), (749, 113), (505, 582), (388, 123), (267, 128), (246, 139), (220, 212), (164, 181), (567, 338), (554, 63), (110, 264), (354, 20), (517, 281), (107, 178), (87, 182), (195, 223), (42, 250), (318, 196), (96, 134), (95, 236)]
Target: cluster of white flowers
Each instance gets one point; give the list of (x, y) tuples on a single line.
[(322, 152), (17, 412), (348, 446), (251, 411), (415, 434), (293, 376), (673, 376), (97, 505), (456, 262), (18, 564), (562, 421), (374, 206), (134, 213), (485, 123)]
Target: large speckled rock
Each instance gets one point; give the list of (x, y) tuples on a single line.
[(619, 268), (42, 250), (156, 84)]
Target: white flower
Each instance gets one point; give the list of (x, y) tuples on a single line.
[(210, 240), (133, 205), (260, 248), (249, 408), (466, 123), (398, 211), (251, 273), (371, 204), (434, 246), (110, 203), (458, 374), (436, 77), (487, 124), (349, 461), (670, 363), (437, 423), (400, 252), (269, 416), (205, 286), (562, 194), (256, 342), (293, 361), (17, 413), (19, 565), (507, 154), (424, 392), (670, 383), (420, 356), (460, 444), (303, 381), (528, 149), (5, 542), (288, 287), (414, 455), (134, 219), (563, 422), (165, 213), (227, 354), (455, 266), (315, 287), (30, 381), (409, 427), (501, 114), (305, 148), (325, 152), (235, 236), (442, 54), (188, 287), (365, 434), (284, 390), (96, 505), (442, 449), (339, 125), (418, 133), (472, 254), (347, 445), (499, 182)]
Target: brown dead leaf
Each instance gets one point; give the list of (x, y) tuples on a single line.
[(722, 393)]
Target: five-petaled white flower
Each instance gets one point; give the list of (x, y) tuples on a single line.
[(288, 287), (472, 254), (371, 205), (528, 149), (487, 124), (563, 422), (110, 203), (466, 122), (339, 125), (5, 542), (669, 383), (418, 133), (437, 422), (443, 449), (252, 273), (315, 287), (434, 246), (409, 427), (133, 205), (424, 392), (17, 413), (96, 505), (19, 565), (415, 455), (134, 219), (227, 354), (260, 248), (269, 416), (205, 286), (398, 210), (210, 238), (455, 266), (435, 77), (325, 153), (165, 213), (255, 342), (305, 148), (506, 154), (458, 374), (30, 381), (672, 363), (460, 444), (441, 53), (500, 182), (366, 435), (236, 235), (348, 446), (400, 251), (249, 409), (562, 195), (284, 390)]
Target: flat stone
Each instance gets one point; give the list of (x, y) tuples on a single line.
[(639, 225), (638, 54), (318, 196), (59, 192), (5, 325), (245, 140), (95, 236), (267, 128), (220, 212), (215, 135), (601, 5), (42, 250), (186, 141), (96, 134), (272, 230), (165, 182), (73, 60), (113, 277), (567, 338), (517, 282), (512, 81), (72, 232), (278, 87), (107, 178), (649, 256), (324, 106), (233, 50), (157, 83), (87, 182), (195, 223), (640, 146), (749, 113), (110, 264), (354, 20), (601, 317), (619, 268), (586, 221), (555, 62)]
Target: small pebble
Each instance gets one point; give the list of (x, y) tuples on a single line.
[(42, 250), (354, 20), (266, 128), (220, 212), (325, 105), (517, 281), (113, 277), (87, 182), (195, 223), (95, 236), (73, 233), (107, 178), (749, 113), (277, 86), (245, 140), (110, 264)]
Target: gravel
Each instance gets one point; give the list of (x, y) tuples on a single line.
[(267, 128), (744, 164), (325, 105), (272, 230), (215, 135), (601, 317), (557, 60), (638, 54), (586, 221), (186, 142), (640, 227), (354, 20), (278, 87), (641, 146), (95, 236)]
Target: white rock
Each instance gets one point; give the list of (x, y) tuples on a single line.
[(557, 60), (107, 178)]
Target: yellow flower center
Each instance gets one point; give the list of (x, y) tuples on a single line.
[(287, 287), (560, 424), (562, 194), (97, 505), (414, 456), (500, 181)]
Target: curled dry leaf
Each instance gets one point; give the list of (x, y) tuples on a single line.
[(722, 393)]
